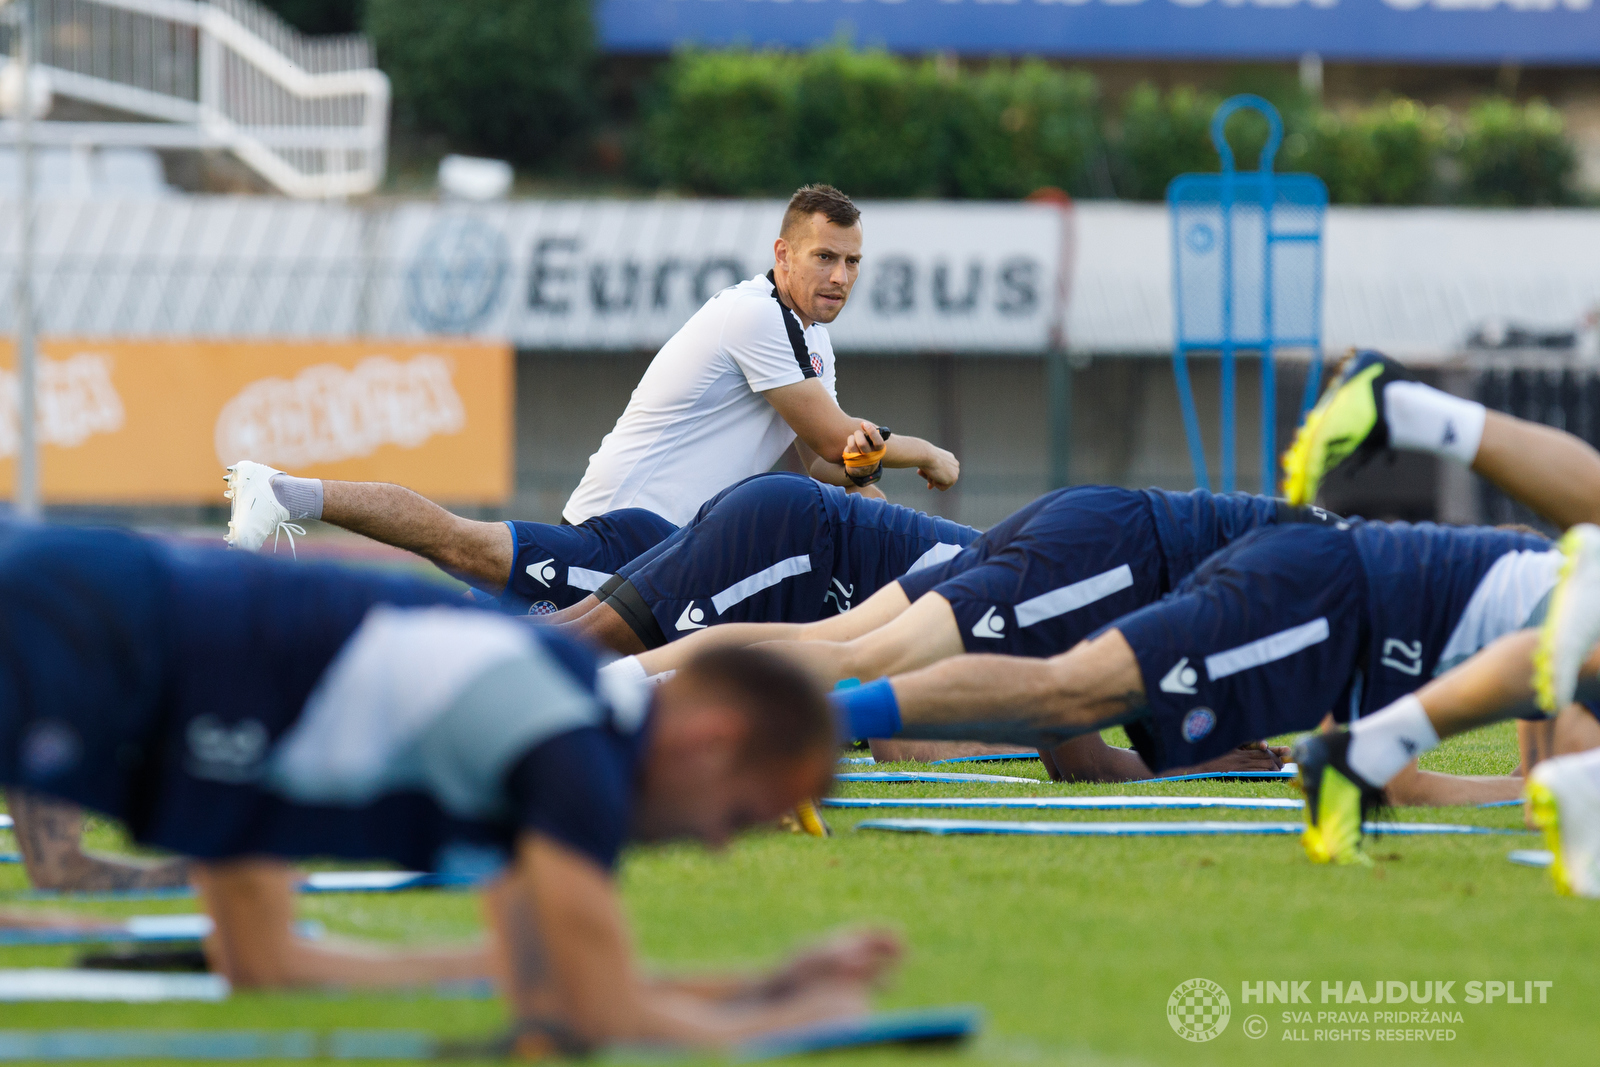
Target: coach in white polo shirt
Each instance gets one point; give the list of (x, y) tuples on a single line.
[(749, 374)]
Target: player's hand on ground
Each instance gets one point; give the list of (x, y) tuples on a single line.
[(1255, 756), (943, 471), (859, 958)]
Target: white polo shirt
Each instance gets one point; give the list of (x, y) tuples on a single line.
[(697, 422)]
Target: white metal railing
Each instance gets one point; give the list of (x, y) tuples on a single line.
[(310, 115)]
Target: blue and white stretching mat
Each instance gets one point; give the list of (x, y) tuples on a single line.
[(931, 1026), (1145, 829), (1065, 803), (127, 987), (1531, 857), (937, 777), (141, 929)]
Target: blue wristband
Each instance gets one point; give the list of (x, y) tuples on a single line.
[(867, 711)]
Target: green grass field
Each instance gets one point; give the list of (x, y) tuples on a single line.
[(1071, 946)]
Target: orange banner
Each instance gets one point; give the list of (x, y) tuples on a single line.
[(156, 421)]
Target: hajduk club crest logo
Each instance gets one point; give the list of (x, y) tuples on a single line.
[(1198, 1010)]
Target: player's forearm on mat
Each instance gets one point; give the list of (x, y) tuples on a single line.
[(670, 657), (1549, 471), (49, 834), (358, 964)]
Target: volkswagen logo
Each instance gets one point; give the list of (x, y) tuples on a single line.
[(455, 281)]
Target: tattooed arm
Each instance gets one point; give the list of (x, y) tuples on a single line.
[(574, 985), (50, 836)]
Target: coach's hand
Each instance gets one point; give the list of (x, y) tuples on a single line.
[(942, 471)]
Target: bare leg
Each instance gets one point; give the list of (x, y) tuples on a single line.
[(479, 553), (1007, 698), (1549, 471), (603, 626), (1576, 731), (880, 608), (254, 944), (572, 614), (50, 836), (1495, 684), (1414, 787), (923, 634)]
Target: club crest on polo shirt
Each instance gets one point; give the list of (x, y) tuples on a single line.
[(816, 364), (542, 607), (1197, 723)]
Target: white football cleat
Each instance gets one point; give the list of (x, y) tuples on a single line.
[(256, 512), (1572, 623), (1564, 802)]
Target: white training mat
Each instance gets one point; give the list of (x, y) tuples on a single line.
[(1142, 829), (139, 928), (1068, 803), (1531, 857), (926, 776), (364, 881), (127, 987)]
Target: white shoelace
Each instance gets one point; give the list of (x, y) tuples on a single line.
[(291, 529)]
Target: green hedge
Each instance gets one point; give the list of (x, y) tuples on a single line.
[(507, 78), (741, 122), (1516, 155)]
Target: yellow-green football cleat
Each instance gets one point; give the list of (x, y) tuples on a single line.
[(808, 820), (1346, 424), (1563, 798), (1337, 800), (1571, 626)]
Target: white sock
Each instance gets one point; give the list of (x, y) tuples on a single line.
[(1424, 419), (1383, 743), (626, 669), (302, 496)]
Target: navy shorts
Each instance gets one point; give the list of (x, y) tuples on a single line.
[(554, 567), (775, 548), (1266, 637), (760, 552), (1052, 573)]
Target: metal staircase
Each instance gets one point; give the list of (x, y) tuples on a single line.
[(310, 115)]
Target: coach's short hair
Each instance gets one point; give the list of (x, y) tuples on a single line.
[(786, 710), (823, 200)]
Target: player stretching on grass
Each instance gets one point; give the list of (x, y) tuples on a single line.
[(242, 711), (1548, 669), (1285, 625), (1076, 560)]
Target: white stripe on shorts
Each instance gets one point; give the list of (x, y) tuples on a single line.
[(765, 579), (1074, 596), (935, 555), (579, 578), (1278, 646)]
